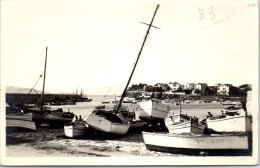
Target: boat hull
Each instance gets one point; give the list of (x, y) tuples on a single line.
[(20, 123), (152, 111), (185, 127), (231, 124), (20, 120), (57, 118), (74, 130), (137, 124), (183, 124), (102, 124), (195, 144)]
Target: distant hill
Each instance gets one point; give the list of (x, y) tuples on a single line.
[(109, 91), (102, 91), (14, 89)]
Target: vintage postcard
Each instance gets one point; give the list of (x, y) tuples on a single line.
[(171, 82)]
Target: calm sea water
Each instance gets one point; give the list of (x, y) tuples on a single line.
[(199, 110)]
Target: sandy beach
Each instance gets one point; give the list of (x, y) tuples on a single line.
[(51, 142), (46, 141)]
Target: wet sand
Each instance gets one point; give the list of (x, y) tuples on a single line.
[(51, 142)]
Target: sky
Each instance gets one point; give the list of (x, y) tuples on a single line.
[(94, 44)]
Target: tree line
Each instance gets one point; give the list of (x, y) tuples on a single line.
[(204, 91)]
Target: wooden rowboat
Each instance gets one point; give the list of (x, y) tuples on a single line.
[(76, 129)]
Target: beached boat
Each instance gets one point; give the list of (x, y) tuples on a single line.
[(197, 143), (152, 110), (131, 117), (42, 113), (113, 121), (20, 120), (231, 121), (58, 117), (76, 129), (108, 121), (183, 124)]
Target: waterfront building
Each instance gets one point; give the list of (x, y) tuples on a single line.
[(223, 89)]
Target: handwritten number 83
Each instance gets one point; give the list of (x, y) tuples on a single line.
[(203, 14)]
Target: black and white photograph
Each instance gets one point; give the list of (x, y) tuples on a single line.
[(129, 83)]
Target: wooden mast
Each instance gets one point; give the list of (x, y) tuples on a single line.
[(42, 101), (124, 92)]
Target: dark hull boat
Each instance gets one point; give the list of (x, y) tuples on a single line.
[(20, 120), (58, 117), (43, 114)]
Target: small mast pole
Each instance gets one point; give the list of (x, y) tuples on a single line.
[(124, 93), (42, 101)]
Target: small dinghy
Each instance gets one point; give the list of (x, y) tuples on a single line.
[(76, 129)]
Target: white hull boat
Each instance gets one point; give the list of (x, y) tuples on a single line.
[(183, 124), (196, 143), (153, 111), (113, 121), (108, 122), (238, 122), (76, 129)]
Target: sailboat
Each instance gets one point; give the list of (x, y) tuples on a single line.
[(114, 101), (112, 121), (45, 114), (54, 117)]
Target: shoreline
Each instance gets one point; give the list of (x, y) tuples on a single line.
[(46, 142)]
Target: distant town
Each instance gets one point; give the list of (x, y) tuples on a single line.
[(171, 89)]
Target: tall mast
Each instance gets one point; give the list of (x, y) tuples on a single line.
[(42, 101), (124, 93)]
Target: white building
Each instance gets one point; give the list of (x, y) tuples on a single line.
[(174, 85), (223, 89), (192, 86)]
